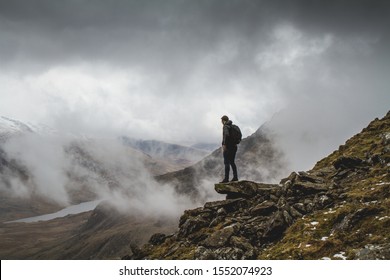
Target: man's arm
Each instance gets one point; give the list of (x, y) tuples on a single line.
[(225, 136)]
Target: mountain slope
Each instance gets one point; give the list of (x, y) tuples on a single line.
[(10, 127), (339, 209), (104, 233)]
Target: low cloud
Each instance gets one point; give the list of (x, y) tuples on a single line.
[(68, 169), (44, 158)]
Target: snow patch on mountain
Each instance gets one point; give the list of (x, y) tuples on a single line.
[(11, 127)]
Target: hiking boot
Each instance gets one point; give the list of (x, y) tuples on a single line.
[(224, 181), (235, 179)]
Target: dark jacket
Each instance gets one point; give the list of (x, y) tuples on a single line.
[(226, 140)]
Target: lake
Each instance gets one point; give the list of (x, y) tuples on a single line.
[(71, 210)]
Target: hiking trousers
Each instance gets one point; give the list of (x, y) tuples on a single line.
[(228, 159)]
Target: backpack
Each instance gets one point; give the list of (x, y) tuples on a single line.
[(235, 134)]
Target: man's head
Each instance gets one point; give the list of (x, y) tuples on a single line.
[(224, 119)]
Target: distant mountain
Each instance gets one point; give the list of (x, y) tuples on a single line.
[(10, 127), (206, 146), (177, 155), (160, 157), (337, 210)]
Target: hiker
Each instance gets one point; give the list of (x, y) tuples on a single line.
[(230, 138)]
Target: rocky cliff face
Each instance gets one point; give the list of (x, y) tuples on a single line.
[(339, 209)]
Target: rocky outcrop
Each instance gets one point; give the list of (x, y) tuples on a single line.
[(245, 189), (252, 216), (339, 208)]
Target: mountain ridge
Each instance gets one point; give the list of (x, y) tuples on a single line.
[(337, 210)]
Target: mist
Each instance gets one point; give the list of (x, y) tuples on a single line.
[(44, 158), (68, 169)]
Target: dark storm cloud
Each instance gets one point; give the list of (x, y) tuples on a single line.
[(174, 34), (344, 17)]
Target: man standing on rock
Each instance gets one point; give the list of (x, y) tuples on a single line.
[(229, 148)]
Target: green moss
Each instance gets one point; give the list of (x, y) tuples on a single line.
[(368, 141), (170, 250), (316, 236)]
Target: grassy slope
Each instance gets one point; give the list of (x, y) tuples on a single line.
[(318, 235)]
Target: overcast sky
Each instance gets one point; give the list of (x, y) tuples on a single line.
[(318, 71)]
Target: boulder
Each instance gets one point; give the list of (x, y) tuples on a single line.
[(303, 188), (202, 253), (229, 204), (264, 209), (307, 177), (224, 253), (348, 163), (352, 219), (244, 189), (191, 225), (157, 239), (374, 252), (219, 238), (275, 227), (294, 213), (300, 207), (229, 253), (236, 189), (322, 201)]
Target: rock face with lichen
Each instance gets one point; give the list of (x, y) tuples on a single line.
[(339, 209)]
